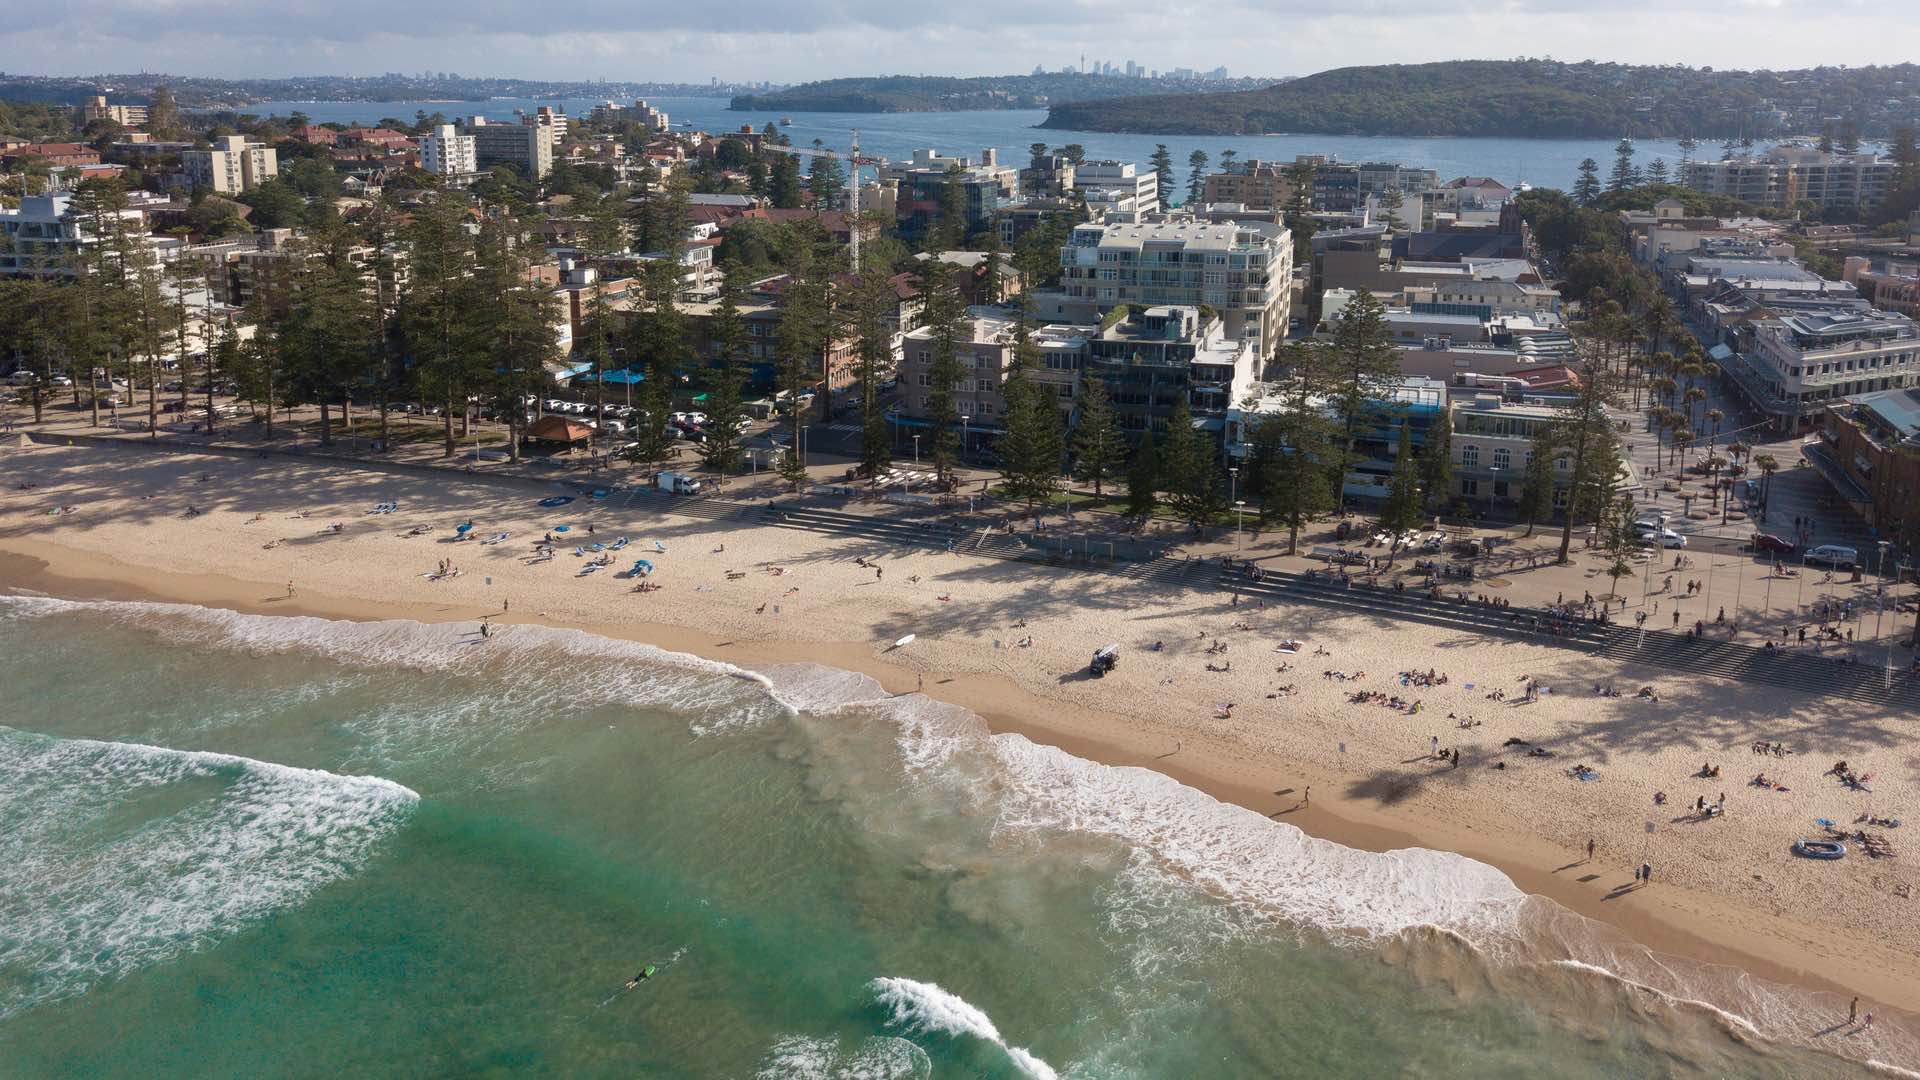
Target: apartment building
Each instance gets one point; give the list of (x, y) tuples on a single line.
[(1117, 186), (233, 165), (985, 354), (446, 152), (1256, 185), (1413, 403), (986, 186), (1158, 357), (1243, 271), (525, 147), (96, 108), (554, 120), (639, 112), (1873, 458), (55, 154), (43, 236), (1374, 177), (1890, 285), (1786, 175), (1799, 361)]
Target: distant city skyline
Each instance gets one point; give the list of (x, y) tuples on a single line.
[(764, 40)]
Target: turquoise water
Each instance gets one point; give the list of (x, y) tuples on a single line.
[(241, 845), (1543, 162)]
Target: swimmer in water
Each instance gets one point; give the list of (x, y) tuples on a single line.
[(645, 973)]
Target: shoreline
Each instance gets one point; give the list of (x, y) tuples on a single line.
[(1671, 919)]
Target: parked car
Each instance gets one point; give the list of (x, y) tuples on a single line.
[(23, 377), (1665, 538), (1835, 555), (60, 380), (1768, 542)]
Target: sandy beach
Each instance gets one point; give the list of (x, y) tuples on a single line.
[(1011, 642)]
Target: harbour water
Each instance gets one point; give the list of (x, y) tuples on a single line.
[(1542, 162), (248, 845)]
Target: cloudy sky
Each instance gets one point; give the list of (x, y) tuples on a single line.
[(785, 40)]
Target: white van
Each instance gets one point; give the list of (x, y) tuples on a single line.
[(677, 483)]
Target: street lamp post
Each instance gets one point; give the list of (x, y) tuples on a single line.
[(963, 435), (1239, 521), (916, 449), (1493, 477)]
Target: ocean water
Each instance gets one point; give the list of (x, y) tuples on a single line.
[(1542, 162), (270, 846)]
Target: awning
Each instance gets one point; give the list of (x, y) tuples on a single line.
[(559, 429)]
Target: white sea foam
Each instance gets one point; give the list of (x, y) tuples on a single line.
[(806, 1057), (923, 1008), (116, 856), (535, 663)]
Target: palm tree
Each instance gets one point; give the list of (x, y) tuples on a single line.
[(1682, 439), (1692, 397), (1714, 415), (1738, 450), (1657, 320), (1665, 387), (1768, 465)]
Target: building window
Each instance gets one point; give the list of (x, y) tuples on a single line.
[(1469, 456), (1469, 486), (1502, 458)]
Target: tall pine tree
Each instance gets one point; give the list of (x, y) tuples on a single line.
[(1099, 446)]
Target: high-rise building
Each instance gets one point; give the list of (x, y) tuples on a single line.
[(526, 147), (446, 152), (232, 166)]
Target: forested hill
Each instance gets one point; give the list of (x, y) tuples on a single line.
[(921, 93), (1527, 98)]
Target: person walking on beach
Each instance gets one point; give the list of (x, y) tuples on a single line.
[(289, 588), (1306, 797), (1646, 874), (1853, 1010), (1589, 849), (1436, 745)]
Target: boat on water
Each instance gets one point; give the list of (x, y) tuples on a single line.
[(786, 121)]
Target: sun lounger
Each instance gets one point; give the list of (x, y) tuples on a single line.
[(496, 538), (617, 544)]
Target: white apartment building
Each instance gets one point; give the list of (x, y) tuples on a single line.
[(639, 112), (526, 147), (1243, 271), (232, 166), (43, 237), (1786, 175), (549, 117), (445, 152), (97, 108), (1805, 359), (1120, 185)]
